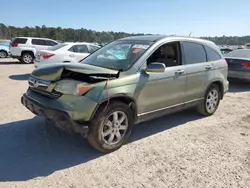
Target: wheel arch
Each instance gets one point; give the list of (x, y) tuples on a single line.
[(2, 50), (219, 83), (126, 99), (27, 51)]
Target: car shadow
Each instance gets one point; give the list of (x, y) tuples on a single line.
[(19, 77), (10, 62), (164, 123), (238, 86), (30, 150)]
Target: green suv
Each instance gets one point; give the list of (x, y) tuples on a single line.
[(126, 82)]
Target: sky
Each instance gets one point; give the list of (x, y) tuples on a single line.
[(180, 17)]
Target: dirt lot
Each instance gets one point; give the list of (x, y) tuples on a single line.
[(181, 150)]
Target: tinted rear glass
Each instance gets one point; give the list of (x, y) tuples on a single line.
[(50, 43), (38, 42), (93, 48), (56, 47), (20, 40)]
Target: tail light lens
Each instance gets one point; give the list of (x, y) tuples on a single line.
[(46, 56), (245, 64), (14, 45)]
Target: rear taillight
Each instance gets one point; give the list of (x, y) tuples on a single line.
[(14, 45), (245, 64), (46, 56)]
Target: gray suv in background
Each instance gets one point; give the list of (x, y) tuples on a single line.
[(24, 48)]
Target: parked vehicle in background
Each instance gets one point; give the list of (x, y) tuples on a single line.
[(239, 64), (225, 50), (24, 48), (4, 50), (247, 45), (64, 53), (128, 81)]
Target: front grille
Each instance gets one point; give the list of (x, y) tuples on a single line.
[(41, 86), (52, 95), (35, 82)]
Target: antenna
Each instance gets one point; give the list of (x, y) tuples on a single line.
[(190, 33)]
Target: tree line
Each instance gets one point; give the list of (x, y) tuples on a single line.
[(87, 35)]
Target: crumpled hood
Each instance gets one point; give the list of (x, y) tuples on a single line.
[(54, 72)]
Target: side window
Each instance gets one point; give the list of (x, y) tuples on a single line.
[(20, 40), (169, 54), (211, 54), (194, 53), (38, 42), (79, 49), (50, 43), (93, 48)]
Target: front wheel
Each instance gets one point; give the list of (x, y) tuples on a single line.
[(111, 128), (211, 101)]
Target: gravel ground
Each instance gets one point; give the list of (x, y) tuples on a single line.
[(181, 150)]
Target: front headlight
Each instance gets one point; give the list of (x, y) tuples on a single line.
[(72, 87)]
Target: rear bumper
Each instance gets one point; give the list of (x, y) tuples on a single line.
[(60, 118), (239, 75)]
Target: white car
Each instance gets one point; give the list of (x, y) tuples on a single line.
[(64, 53), (25, 48)]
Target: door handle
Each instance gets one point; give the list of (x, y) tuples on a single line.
[(208, 67), (179, 72)]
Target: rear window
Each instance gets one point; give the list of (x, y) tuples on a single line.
[(93, 48), (211, 54), (56, 47), (245, 53), (50, 43), (20, 40)]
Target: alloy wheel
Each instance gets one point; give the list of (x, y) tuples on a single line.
[(115, 128), (212, 100), (3, 54), (27, 58)]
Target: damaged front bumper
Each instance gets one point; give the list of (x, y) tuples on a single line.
[(60, 118)]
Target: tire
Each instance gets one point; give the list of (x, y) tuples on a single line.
[(3, 54), (27, 57), (203, 108), (97, 127)]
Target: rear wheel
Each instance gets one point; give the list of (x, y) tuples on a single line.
[(111, 128), (27, 58), (211, 101), (3, 54)]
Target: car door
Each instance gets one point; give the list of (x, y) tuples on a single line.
[(161, 93), (78, 52), (199, 72)]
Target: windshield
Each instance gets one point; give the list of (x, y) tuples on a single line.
[(244, 53), (117, 55)]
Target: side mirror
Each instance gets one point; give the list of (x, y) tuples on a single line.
[(156, 67)]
